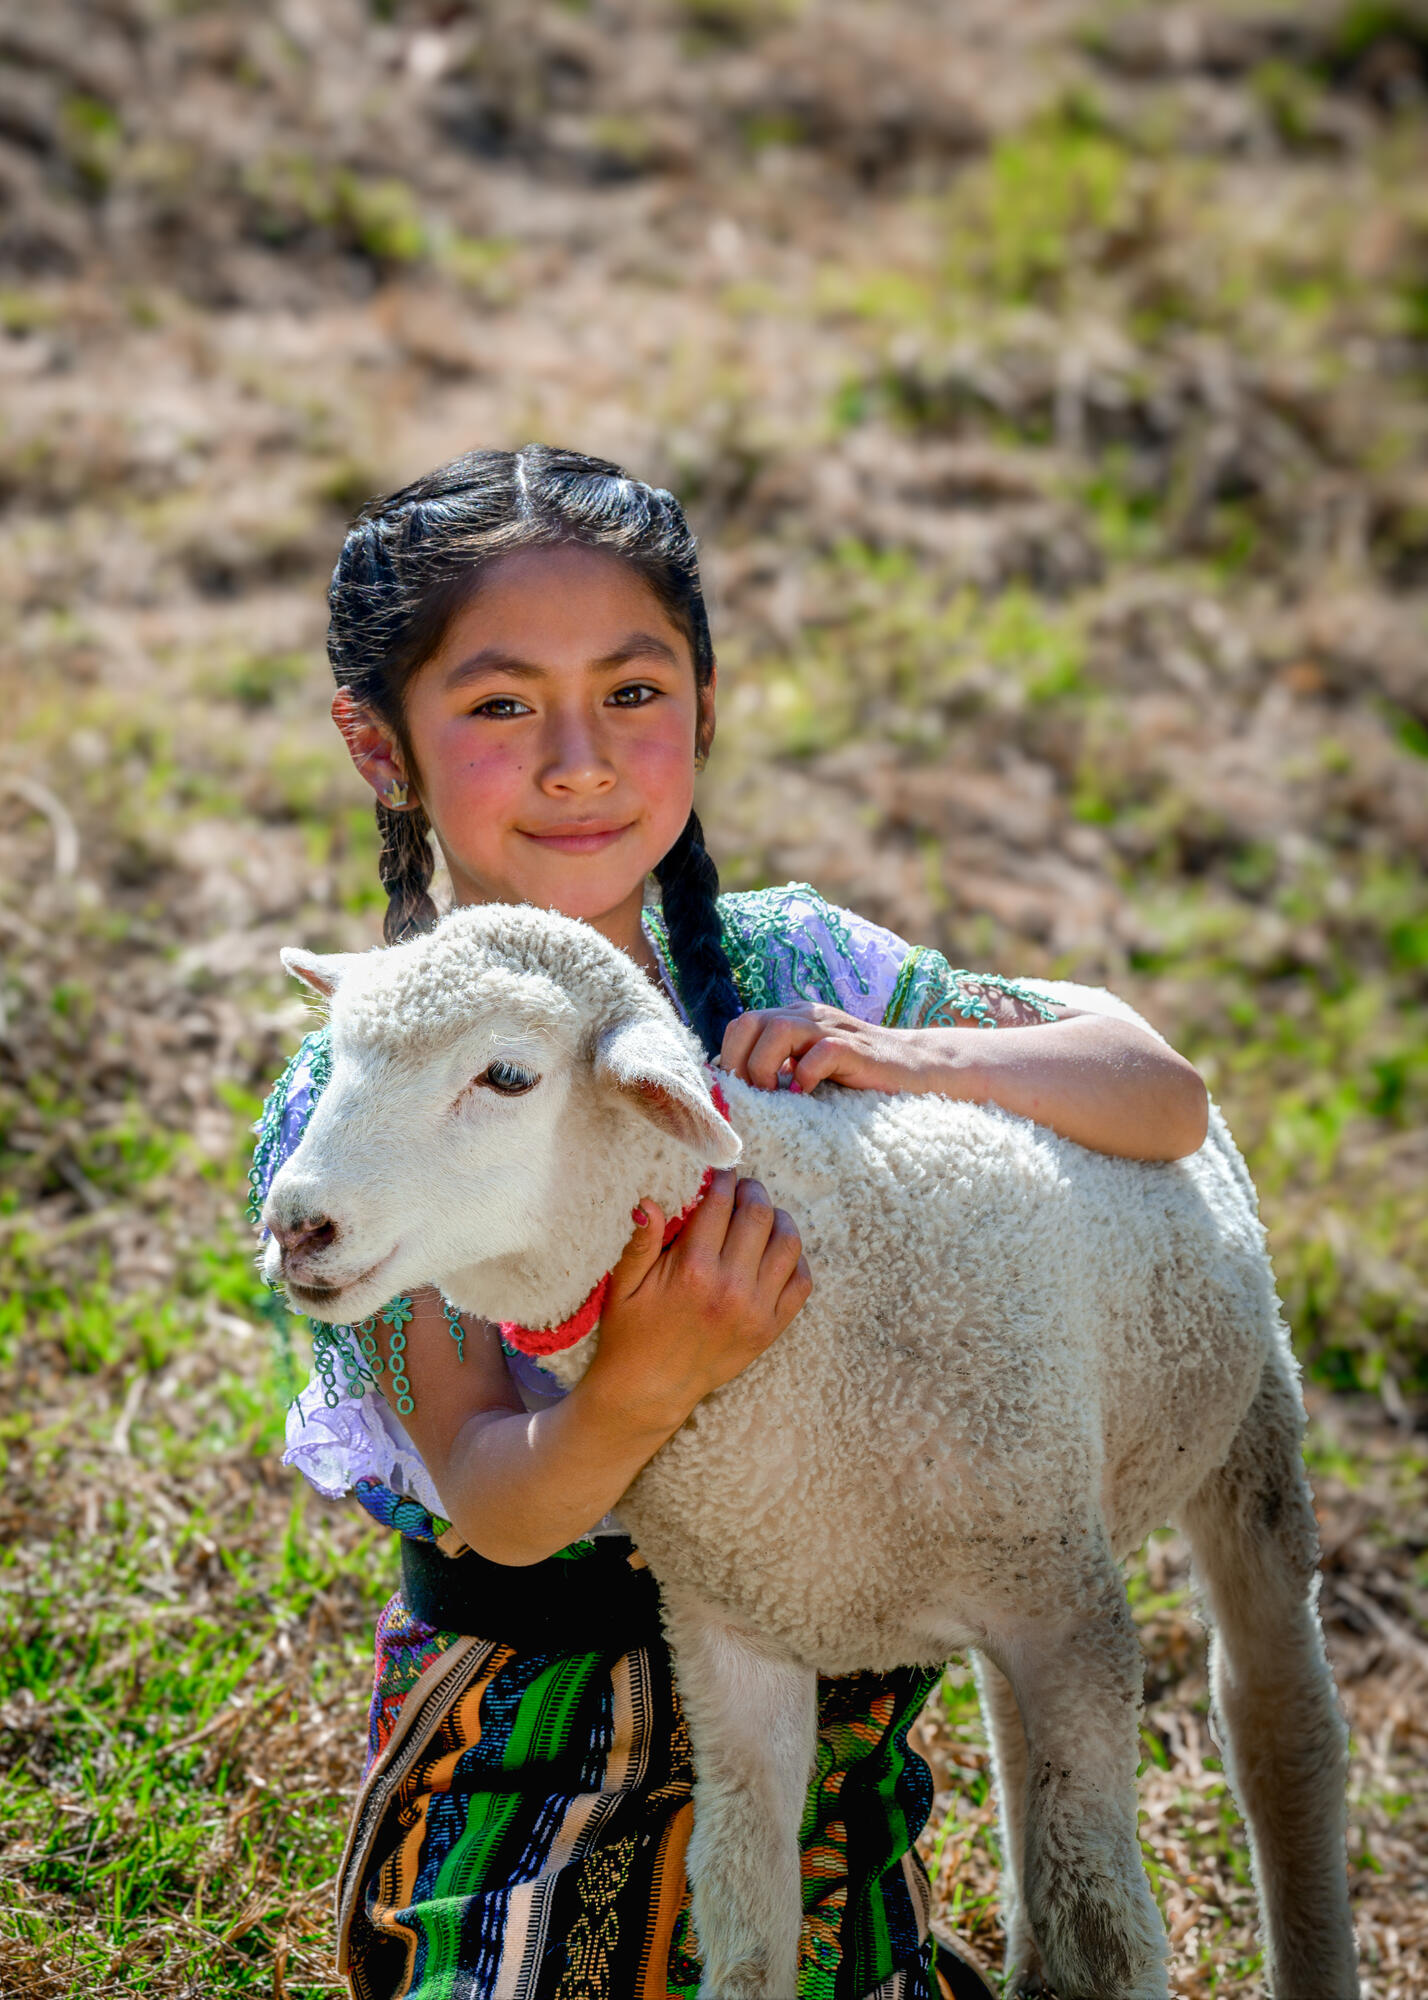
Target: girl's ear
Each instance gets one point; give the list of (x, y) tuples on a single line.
[(370, 744), (323, 972), (655, 1075)]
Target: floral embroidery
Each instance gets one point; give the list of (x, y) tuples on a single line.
[(285, 1114), (771, 939), (929, 994)]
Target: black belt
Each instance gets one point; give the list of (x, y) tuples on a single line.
[(582, 1603)]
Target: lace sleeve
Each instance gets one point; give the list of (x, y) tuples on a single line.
[(931, 994)]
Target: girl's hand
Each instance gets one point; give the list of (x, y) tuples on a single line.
[(682, 1321), (817, 1043)]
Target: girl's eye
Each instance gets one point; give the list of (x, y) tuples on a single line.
[(508, 1079), (501, 708), (637, 695)]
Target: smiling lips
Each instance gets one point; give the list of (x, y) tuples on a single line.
[(580, 836)]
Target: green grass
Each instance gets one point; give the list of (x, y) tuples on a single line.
[(184, 1651)]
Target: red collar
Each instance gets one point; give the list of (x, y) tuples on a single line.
[(538, 1340)]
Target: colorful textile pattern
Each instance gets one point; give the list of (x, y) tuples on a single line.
[(532, 1843), (395, 1511)]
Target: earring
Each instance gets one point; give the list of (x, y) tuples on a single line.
[(394, 795)]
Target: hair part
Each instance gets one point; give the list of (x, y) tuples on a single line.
[(410, 562)]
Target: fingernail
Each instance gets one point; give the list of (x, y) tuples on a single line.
[(795, 1086), (639, 1218)]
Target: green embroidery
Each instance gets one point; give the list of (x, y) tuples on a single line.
[(333, 1353), (315, 1050), (769, 953), (929, 994), (764, 938), (454, 1327), (892, 1013)]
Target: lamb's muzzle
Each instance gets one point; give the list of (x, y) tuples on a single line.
[(1020, 1358)]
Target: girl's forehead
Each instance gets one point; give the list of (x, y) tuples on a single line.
[(565, 603)]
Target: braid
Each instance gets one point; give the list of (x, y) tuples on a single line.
[(689, 886), (406, 865)]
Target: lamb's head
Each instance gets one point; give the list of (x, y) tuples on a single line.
[(502, 1091)]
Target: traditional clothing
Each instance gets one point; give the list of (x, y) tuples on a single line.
[(521, 1829)]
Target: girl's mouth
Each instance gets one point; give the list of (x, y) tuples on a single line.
[(578, 839)]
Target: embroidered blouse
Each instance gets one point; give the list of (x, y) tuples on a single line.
[(784, 945)]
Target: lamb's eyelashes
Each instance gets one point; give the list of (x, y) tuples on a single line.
[(507, 1079)]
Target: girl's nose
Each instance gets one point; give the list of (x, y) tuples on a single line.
[(576, 761)]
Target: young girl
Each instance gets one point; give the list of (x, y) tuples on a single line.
[(525, 671)]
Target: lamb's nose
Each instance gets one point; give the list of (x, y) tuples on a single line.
[(306, 1237)]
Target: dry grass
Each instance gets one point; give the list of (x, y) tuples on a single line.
[(1049, 388)]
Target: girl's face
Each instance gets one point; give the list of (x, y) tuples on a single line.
[(553, 735)]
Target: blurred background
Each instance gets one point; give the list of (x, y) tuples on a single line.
[(1047, 383)]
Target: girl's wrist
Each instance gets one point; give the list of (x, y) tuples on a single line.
[(629, 1416), (949, 1065)]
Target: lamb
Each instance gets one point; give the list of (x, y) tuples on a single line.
[(1018, 1359)]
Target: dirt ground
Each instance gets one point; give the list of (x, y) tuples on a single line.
[(1049, 387)]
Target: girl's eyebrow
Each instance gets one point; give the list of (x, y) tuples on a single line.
[(496, 660)]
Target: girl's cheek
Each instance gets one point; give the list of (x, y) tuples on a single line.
[(662, 760)]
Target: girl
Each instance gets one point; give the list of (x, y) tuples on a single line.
[(524, 670)]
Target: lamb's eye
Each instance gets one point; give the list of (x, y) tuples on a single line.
[(508, 1079)]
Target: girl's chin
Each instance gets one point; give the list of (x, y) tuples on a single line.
[(583, 892)]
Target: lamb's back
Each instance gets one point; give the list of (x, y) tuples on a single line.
[(992, 1306)]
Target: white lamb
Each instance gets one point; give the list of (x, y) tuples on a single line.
[(1018, 1359)]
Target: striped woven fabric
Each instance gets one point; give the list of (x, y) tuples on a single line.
[(521, 1831)]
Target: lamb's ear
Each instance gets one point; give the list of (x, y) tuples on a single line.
[(652, 1071), (322, 971)]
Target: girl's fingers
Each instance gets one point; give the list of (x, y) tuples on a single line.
[(820, 1060), (795, 1294), (702, 1238), (641, 1253), (780, 1040), (739, 1037), (746, 1031), (782, 1254), (752, 1225)]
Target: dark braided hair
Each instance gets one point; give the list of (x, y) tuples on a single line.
[(408, 564)]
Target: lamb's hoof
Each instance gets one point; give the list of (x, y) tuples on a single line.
[(1026, 1977)]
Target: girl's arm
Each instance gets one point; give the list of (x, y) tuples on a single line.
[(1103, 1082), (517, 1485)]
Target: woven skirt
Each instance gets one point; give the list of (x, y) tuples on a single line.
[(521, 1830)]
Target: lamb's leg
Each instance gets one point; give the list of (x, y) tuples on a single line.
[(1078, 1686), (1256, 1548), (753, 1721), (1007, 1739)]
